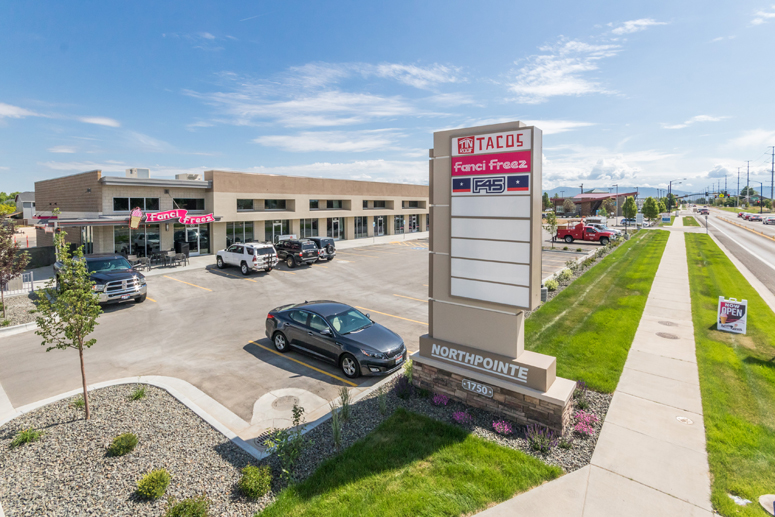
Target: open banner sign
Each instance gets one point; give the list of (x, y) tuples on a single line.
[(732, 315)]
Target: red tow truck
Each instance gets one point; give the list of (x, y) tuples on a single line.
[(583, 232)]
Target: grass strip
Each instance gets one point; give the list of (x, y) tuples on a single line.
[(413, 465), (690, 221), (590, 325), (737, 381), (737, 210)]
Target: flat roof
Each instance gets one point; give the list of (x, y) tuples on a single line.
[(154, 182)]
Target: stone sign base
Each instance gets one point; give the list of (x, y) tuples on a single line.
[(520, 404)]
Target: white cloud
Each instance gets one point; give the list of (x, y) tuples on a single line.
[(206, 35), (722, 38), (763, 17), (698, 118), (719, 171), (320, 73), (145, 143), (559, 72), (754, 138), (194, 125), (61, 149), (393, 171), (549, 127), (100, 121), (108, 166), (635, 26), (8, 111), (337, 141)]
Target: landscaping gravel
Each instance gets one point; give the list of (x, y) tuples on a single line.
[(68, 471), (17, 309)]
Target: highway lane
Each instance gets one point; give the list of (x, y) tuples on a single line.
[(756, 252)]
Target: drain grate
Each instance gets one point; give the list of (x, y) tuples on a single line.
[(667, 335), (258, 441), (684, 420), (668, 323)]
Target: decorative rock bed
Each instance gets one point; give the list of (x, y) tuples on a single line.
[(17, 309)]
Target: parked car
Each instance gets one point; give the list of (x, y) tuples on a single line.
[(251, 256), (770, 219), (339, 334), (746, 216), (297, 251), (740, 214), (629, 222), (584, 233), (327, 247), (605, 228), (755, 217), (115, 280), (704, 211)]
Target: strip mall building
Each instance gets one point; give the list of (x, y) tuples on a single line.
[(212, 211)]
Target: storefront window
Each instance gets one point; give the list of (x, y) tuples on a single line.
[(192, 204), (244, 204), (398, 225), (276, 228), (121, 241), (379, 204), (124, 204), (361, 227), (274, 204), (309, 228), (141, 242), (239, 232), (196, 235)]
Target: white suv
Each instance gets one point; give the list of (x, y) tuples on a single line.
[(250, 256)]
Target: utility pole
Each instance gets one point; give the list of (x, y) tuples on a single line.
[(748, 183), (582, 201), (737, 200), (772, 179)]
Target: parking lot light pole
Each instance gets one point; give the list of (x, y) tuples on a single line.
[(670, 191)]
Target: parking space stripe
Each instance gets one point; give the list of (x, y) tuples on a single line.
[(305, 364), (154, 301), (287, 272), (410, 298), (182, 282), (357, 254), (391, 315), (232, 275)]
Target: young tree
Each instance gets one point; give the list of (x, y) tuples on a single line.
[(12, 262), (545, 200), (66, 318), (551, 225), (609, 206), (630, 208), (650, 208), (662, 207), (569, 206)]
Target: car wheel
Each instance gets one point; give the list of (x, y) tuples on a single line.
[(568, 239), (141, 299), (280, 343), (290, 262), (604, 241), (350, 366), (269, 270), (244, 269), (220, 263)]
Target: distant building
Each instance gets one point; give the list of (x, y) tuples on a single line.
[(25, 204), (590, 202)]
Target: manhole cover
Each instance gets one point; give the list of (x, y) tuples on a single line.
[(285, 403), (667, 335), (668, 323), (684, 420)]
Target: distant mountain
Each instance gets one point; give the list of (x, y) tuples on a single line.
[(643, 192)]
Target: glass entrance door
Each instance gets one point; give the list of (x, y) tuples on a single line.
[(273, 229), (335, 228), (412, 223), (197, 236), (380, 230)]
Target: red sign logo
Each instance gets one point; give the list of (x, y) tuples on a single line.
[(181, 214), (465, 145)]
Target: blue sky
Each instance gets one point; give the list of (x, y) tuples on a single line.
[(634, 93)]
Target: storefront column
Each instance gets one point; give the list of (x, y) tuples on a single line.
[(322, 225), (217, 237), (422, 222), (370, 223), (167, 235), (349, 228), (391, 225), (296, 227)]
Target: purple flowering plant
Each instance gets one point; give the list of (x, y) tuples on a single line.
[(585, 423), (502, 427), (462, 417), (439, 399)]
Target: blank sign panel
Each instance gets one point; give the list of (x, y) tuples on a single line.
[(516, 274), (500, 251), (489, 292), (491, 206), (497, 229)]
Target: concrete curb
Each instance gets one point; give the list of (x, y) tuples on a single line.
[(165, 384), (17, 329)]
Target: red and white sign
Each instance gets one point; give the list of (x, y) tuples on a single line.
[(503, 163), (491, 143), (181, 214)]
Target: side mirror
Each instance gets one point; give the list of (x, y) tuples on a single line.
[(368, 315), (325, 332)]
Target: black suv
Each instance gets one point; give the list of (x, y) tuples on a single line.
[(115, 280), (326, 246), (297, 251)]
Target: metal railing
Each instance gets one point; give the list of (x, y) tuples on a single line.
[(22, 284)]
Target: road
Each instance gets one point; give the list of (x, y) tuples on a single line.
[(755, 250)]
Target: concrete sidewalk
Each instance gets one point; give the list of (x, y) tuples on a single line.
[(650, 459)]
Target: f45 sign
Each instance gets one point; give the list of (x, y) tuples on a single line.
[(489, 185)]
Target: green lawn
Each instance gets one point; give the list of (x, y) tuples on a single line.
[(752, 210), (690, 221), (412, 465), (589, 326), (737, 380)]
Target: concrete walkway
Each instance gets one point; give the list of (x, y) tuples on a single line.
[(650, 459)]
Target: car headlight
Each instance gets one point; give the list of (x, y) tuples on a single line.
[(375, 355), (98, 288), (142, 281)]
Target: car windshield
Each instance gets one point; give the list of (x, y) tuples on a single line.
[(108, 264), (348, 321), (310, 246), (265, 251)]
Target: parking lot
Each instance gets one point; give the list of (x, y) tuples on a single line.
[(206, 326)]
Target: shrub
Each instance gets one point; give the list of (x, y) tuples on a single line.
[(578, 249), (404, 388), (584, 423), (138, 393), (78, 403), (551, 285), (344, 398), (26, 436), (122, 444), (6, 323), (540, 438), (423, 393), (462, 417), (582, 403), (198, 506), (255, 481), (565, 248), (565, 442), (572, 265), (382, 400), (336, 425), (502, 427), (565, 275), (288, 444), (153, 484), (408, 370), (580, 395), (440, 399)]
